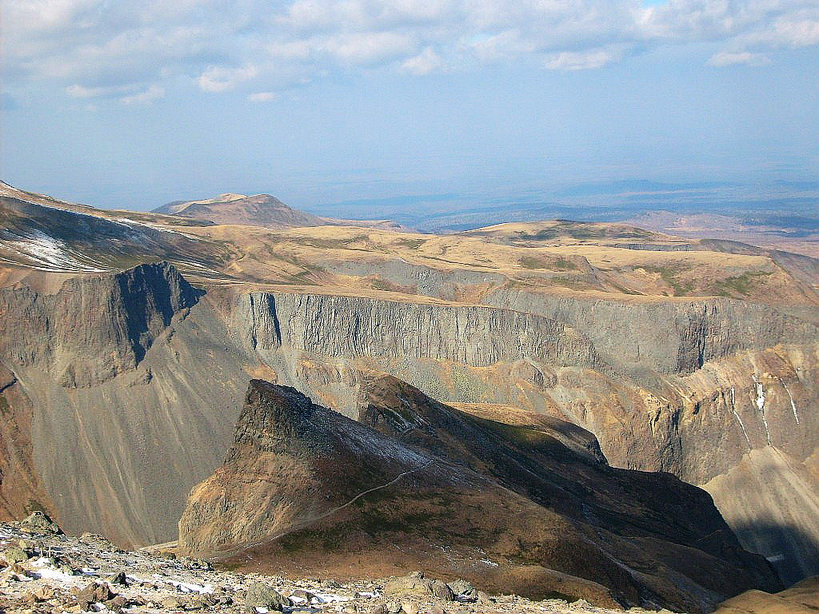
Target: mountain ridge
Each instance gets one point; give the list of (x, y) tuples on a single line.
[(298, 473)]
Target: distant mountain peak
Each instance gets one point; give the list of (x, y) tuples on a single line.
[(230, 208)]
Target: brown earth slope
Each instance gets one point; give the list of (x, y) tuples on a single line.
[(258, 210), (300, 478)]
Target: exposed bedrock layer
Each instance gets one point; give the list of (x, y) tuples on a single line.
[(415, 475), (133, 395), (133, 383), (727, 378), (665, 336), (353, 326)]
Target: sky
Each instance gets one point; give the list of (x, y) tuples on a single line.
[(134, 104)]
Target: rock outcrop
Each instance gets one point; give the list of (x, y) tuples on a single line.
[(664, 336), (125, 393), (701, 385), (340, 326), (94, 327), (302, 478)]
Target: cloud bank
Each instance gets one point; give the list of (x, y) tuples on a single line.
[(133, 51)]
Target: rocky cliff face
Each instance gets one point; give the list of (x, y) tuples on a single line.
[(685, 387), (300, 476), (131, 385), (94, 327), (341, 326), (665, 337)]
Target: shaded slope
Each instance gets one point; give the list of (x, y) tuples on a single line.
[(61, 237), (772, 502), (301, 478), (21, 489)]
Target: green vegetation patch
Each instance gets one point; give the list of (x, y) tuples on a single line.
[(322, 243), (540, 261), (520, 434), (586, 231), (741, 284), (669, 276), (34, 506), (410, 243)]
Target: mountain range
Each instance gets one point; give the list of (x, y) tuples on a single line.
[(227, 375)]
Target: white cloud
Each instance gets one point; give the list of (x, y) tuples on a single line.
[(262, 97), (424, 63), (727, 58), (80, 91), (153, 93), (582, 60), (97, 48), (369, 47), (217, 79)]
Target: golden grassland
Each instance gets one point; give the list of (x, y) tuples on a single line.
[(389, 264)]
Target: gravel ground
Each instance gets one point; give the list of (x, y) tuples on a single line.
[(44, 571)]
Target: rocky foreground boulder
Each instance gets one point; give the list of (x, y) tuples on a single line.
[(508, 508)]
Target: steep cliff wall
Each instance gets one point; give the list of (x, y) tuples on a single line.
[(667, 336), (95, 327), (352, 326), (134, 388)]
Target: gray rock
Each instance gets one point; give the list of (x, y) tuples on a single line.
[(441, 591), (40, 522), (262, 596), (409, 607), (416, 585), (118, 578), (463, 589), (303, 594)]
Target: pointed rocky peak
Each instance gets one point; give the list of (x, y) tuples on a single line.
[(165, 281), (275, 417)]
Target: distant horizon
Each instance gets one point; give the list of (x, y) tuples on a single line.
[(322, 102), (791, 203)]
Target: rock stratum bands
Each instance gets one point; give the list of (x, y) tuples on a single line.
[(121, 392)]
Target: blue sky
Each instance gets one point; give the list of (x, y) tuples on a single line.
[(318, 101)]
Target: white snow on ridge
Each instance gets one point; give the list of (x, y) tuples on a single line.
[(49, 253)]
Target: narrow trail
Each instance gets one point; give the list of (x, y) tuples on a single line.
[(313, 519)]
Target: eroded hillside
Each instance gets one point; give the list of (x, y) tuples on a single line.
[(688, 356)]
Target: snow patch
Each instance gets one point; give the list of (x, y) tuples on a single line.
[(760, 404), (331, 598), (760, 394), (793, 405), (49, 252), (186, 587), (739, 420)]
